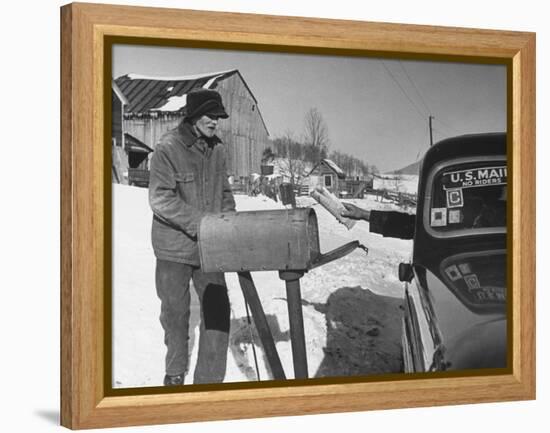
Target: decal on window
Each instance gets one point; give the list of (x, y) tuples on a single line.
[(485, 176), (455, 216), (465, 268), (472, 282), (453, 273), (455, 198), (491, 294), (439, 217)]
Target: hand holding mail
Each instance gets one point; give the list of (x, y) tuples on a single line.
[(354, 212)]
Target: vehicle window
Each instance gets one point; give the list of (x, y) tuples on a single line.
[(478, 279), (469, 197)]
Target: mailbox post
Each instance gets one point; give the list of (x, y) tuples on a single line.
[(296, 322), (287, 194)]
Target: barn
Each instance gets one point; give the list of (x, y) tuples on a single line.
[(156, 104)]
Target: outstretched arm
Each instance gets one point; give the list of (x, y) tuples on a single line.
[(387, 223)]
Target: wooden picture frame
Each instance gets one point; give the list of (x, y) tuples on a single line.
[(85, 233)]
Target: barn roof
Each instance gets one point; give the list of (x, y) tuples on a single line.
[(332, 165), (149, 93), (146, 94)]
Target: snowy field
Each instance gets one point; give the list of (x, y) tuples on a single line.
[(351, 306), (401, 183)]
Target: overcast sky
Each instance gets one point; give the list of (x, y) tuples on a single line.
[(375, 109)]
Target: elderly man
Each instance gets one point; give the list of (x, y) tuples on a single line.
[(188, 179)]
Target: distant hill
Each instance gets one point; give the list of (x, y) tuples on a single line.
[(413, 168)]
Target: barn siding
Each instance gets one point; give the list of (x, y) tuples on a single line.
[(149, 130), (244, 131)]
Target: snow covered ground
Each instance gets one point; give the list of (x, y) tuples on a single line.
[(351, 306), (399, 183)]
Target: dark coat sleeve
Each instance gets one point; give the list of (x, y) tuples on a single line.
[(392, 224), (164, 199)]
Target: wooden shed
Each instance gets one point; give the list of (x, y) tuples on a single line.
[(329, 175), (156, 104)]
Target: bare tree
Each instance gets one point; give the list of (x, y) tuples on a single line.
[(312, 154), (374, 169), (353, 167), (316, 131), (291, 157)]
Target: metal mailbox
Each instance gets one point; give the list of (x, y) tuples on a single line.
[(269, 240)]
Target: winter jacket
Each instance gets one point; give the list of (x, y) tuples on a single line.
[(188, 179)]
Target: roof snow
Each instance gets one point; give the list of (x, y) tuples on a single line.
[(174, 103), (333, 166), (119, 93), (210, 81), (179, 78)]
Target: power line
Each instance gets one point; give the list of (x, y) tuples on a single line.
[(422, 115), (415, 87), (447, 126), (414, 105), (423, 100)]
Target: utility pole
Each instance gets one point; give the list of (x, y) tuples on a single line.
[(431, 133)]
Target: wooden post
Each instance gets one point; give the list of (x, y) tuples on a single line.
[(296, 320), (431, 131), (260, 321)]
